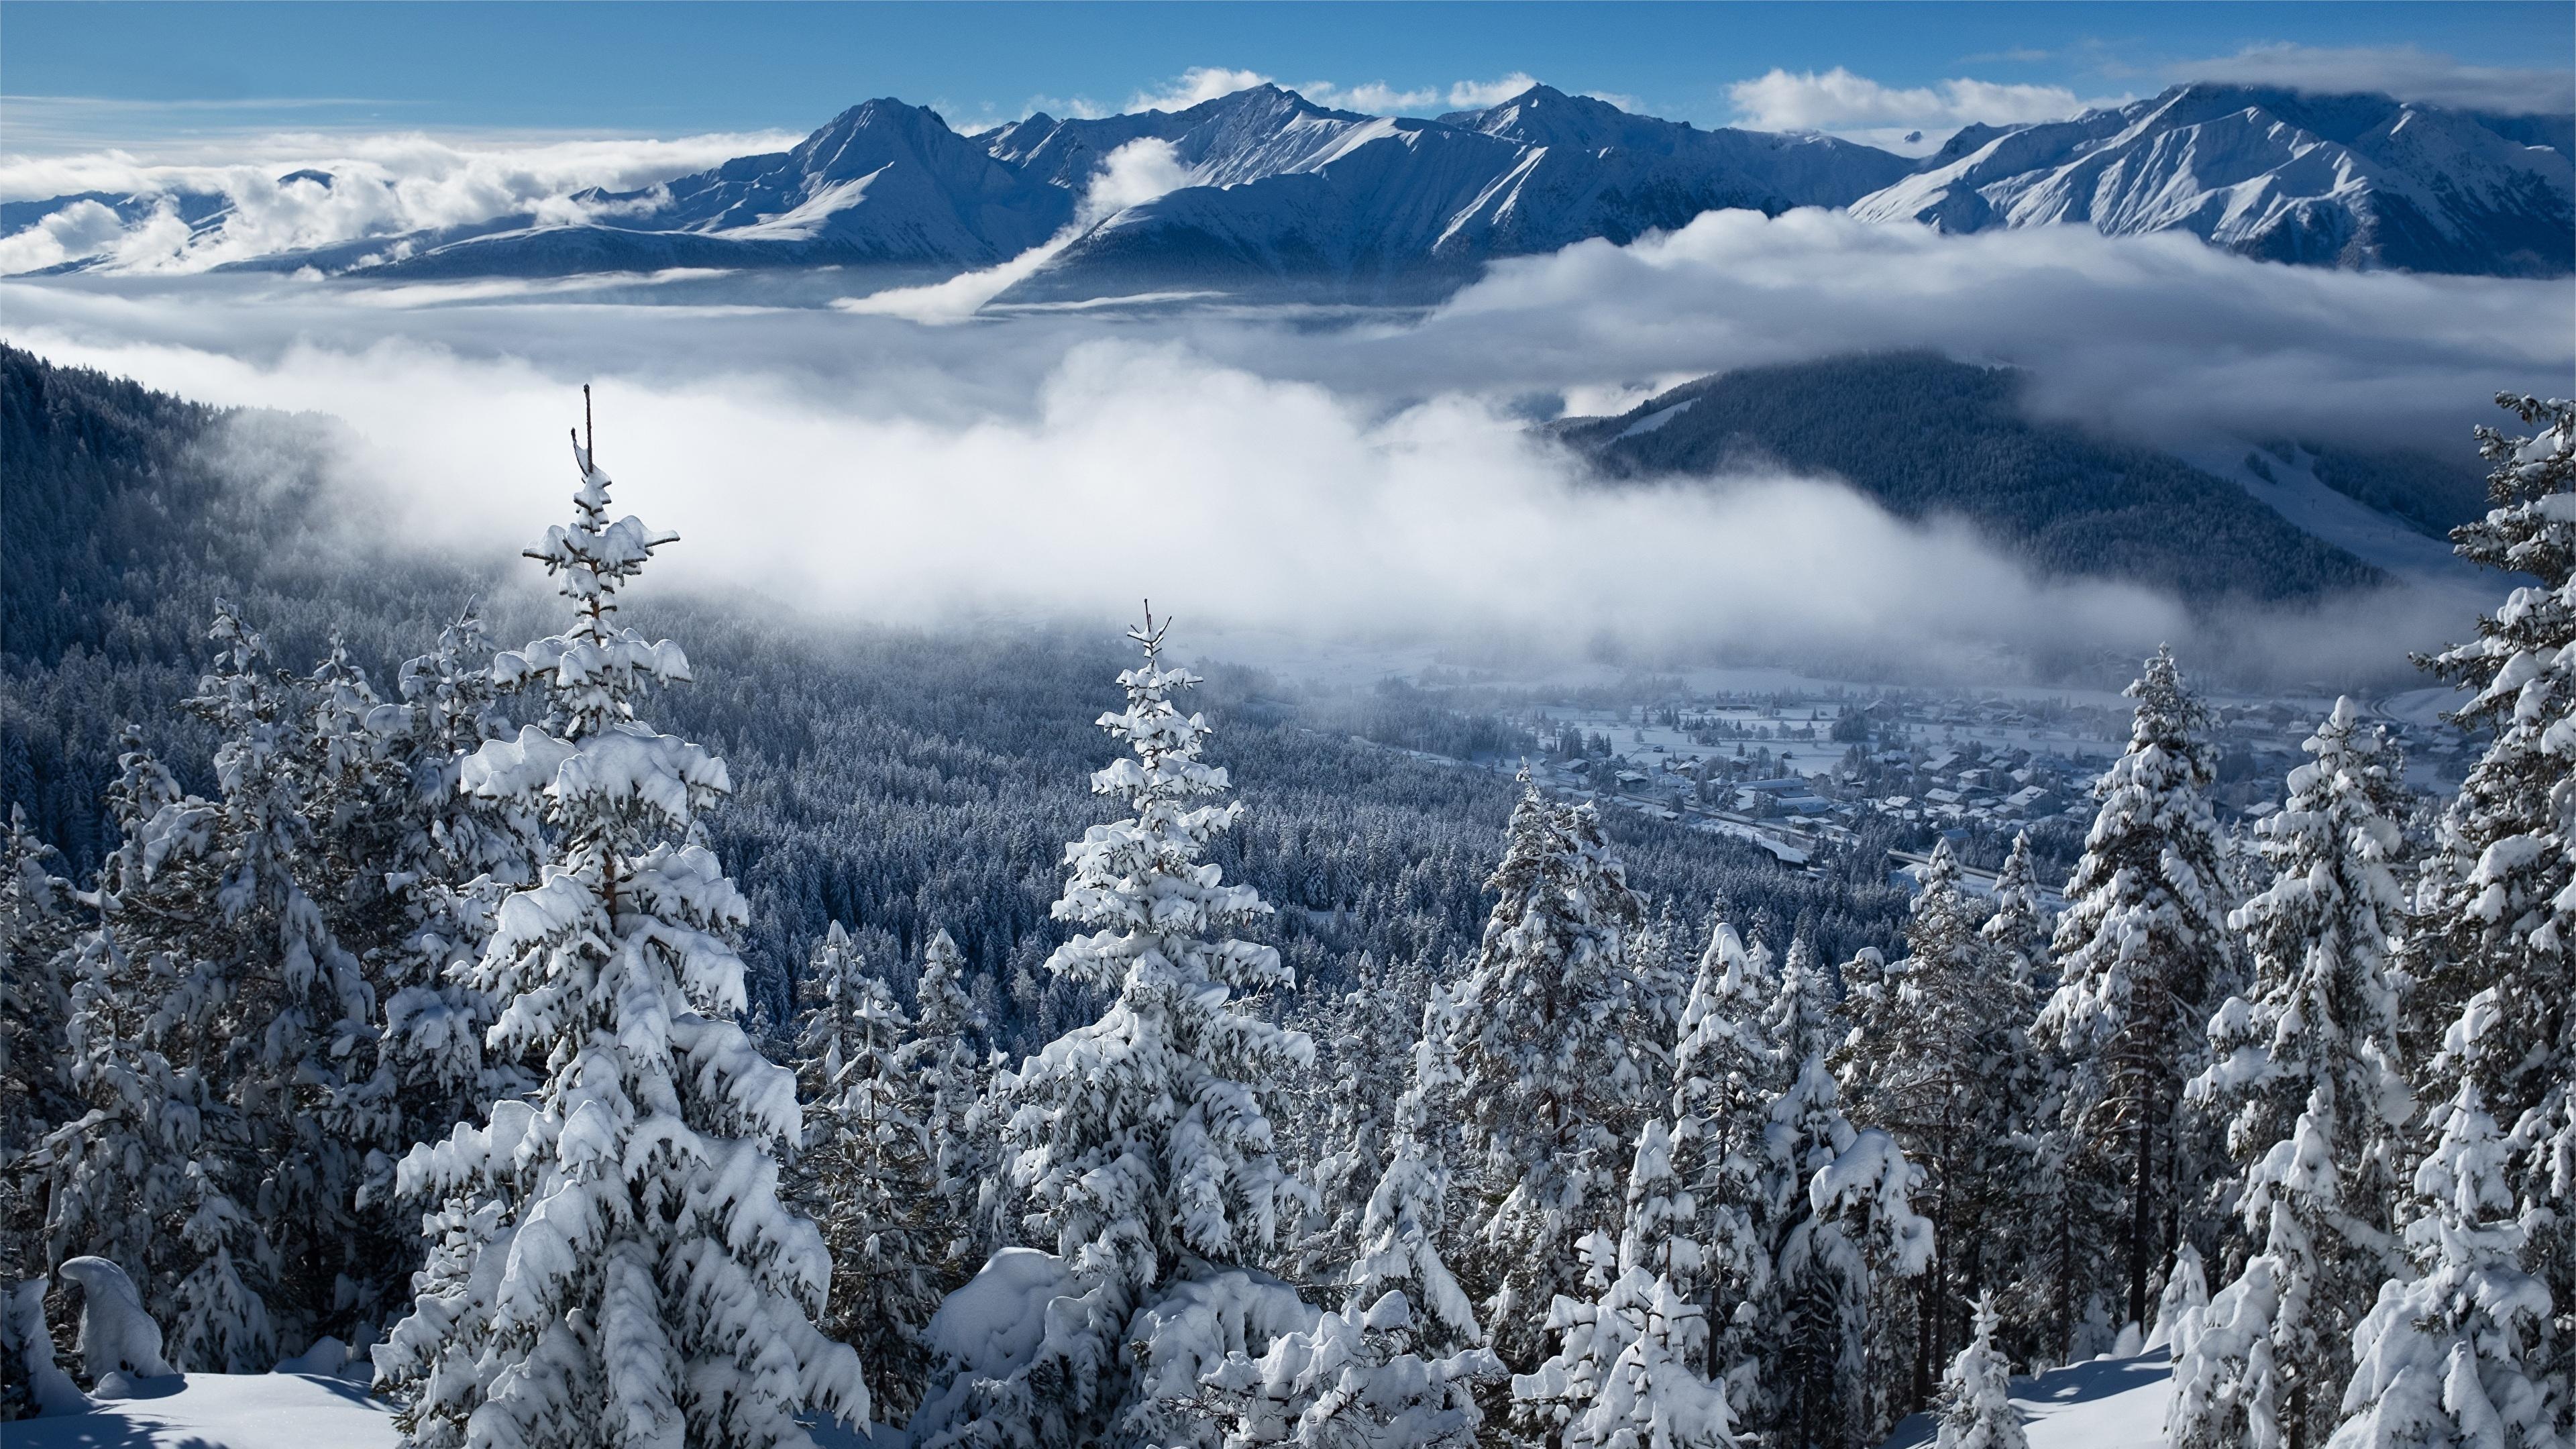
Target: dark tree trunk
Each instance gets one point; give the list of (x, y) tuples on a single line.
[(2142, 1216)]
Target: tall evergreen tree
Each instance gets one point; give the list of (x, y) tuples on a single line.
[(2143, 956), (941, 1056), (1925, 1064), (2494, 939), (1360, 1079), (2309, 1071), (2019, 926), (1407, 1216), (1725, 1074), (610, 1263), (1143, 1139), (214, 1012), (2449, 1359), (1628, 1369), (866, 1174), (1554, 1081), (36, 931)]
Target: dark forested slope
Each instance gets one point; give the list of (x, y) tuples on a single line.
[(1928, 437)]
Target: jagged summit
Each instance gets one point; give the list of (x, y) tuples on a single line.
[(2336, 180)]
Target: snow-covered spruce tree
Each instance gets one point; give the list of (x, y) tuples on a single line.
[(2143, 957), (2019, 927), (1976, 1392), (120, 1176), (1842, 1217), (1354, 1381), (941, 1058), (1554, 1083), (1625, 1374), (1143, 1140), (866, 1175), (2021, 1231), (2493, 940), (2307, 1070), (1407, 1215), (36, 931), (456, 854), (1725, 1074), (213, 1011), (2446, 1360), (1360, 1076), (1401, 1361), (1924, 1062), (610, 1263)]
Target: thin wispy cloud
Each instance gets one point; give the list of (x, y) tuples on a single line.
[(381, 185), (2404, 71), (1844, 103)]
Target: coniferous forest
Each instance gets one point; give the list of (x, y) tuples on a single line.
[(629, 1020)]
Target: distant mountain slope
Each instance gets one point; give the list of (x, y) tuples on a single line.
[(1389, 208), (2352, 181), (1279, 194), (1928, 437)]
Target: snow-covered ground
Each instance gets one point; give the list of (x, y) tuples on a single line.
[(2106, 1404), (222, 1411), (2112, 1403)]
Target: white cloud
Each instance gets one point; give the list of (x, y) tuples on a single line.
[(381, 186), (1376, 98), (1848, 104), (1477, 95), (2404, 71), (1198, 84)]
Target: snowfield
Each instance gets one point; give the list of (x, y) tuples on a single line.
[(2110, 1403), (2106, 1404), (222, 1411)]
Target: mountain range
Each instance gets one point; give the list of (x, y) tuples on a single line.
[(1267, 194)]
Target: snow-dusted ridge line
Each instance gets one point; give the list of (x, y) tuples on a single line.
[(1286, 195)]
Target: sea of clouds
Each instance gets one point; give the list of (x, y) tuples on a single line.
[(921, 456)]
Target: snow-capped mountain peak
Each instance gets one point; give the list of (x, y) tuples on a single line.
[(1282, 193)]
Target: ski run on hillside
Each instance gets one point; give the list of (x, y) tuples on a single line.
[(405, 1089)]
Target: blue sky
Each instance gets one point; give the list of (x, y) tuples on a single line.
[(132, 74)]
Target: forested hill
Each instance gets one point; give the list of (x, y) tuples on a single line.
[(897, 781), (1928, 437)]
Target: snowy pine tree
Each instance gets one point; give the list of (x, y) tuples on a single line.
[(1143, 1139), (1842, 1218), (2496, 910), (941, 1056), (1407, 1215), (2019, 926), (2309, 1071), (1976, 1392), (1624, 1375), (1361, 1077), (457, 854), (866, 1174), (1924, 1062), (2446, 1359), (610, 1263), (2143, 956), (1553, 1080), (1725, 1074), (1355, 1381), (36, 931)]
